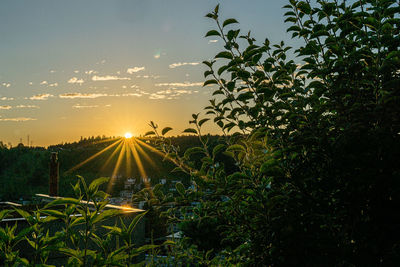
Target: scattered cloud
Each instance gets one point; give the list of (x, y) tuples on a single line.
[(5, 107), (76, 71), (17, 119), (80, 95), (132, 94), (6, 98), (52, 71), (180, 64), (184, 84), (43, 83), (134, 69), (171, 93), (40, 97), (76, 80), (157, 56), (30, 83), (148, 76), (53, 84), (6, 84), (108, 78), (212, 41), (108, 105), (157, 96), (83, 106), (27, 106), (89, 72)]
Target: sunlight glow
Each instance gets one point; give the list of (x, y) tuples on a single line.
[(126, 150)]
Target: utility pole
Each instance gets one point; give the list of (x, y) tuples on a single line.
[(54, 175)]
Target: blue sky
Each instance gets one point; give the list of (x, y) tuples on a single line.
[(82, 68)]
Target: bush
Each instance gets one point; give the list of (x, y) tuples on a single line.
[(73, 231), (316, 142)]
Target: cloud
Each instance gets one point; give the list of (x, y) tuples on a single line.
[(40, 97), (17, 119), (108, 78), (180, 64), (6, 98), (134, 69), (5, 107), (184, 84), (108, 105), (212, 41), (88, 72), (171, 93), (30, 83), (44, 82), (148, 76), (83, 106), (80, 95), (52, 71), (76, 71), (157, 56), (53, 84), (7, 84), (132, 94), (157, 96), (27, 106), (76, 80)]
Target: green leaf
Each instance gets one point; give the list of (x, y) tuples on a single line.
[(224, 54), (24, 214), (105, 215), (77, 221), (236, 147), (222, 69), (114, 229), (4, 213), (54, 213), (63, 201), (193, 150), (210, 82), (201, 122), (149, 133), (135, 221), (207, 73), (23, 233), (97, 182), (212, 33), (180, 188), (190, 130), (229, 21), (217, 149), (166, 130)]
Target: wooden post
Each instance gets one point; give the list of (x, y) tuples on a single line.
[(53, 182)]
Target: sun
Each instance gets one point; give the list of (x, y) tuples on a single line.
[(128, 135)]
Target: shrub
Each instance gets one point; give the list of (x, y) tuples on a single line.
[(315, 140)]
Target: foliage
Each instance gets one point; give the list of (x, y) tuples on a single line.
[(316, 142), (29, 165), (86, 233)]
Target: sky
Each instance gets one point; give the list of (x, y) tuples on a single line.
[(105, 67)]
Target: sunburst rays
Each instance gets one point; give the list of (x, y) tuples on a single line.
[(127, 151)]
